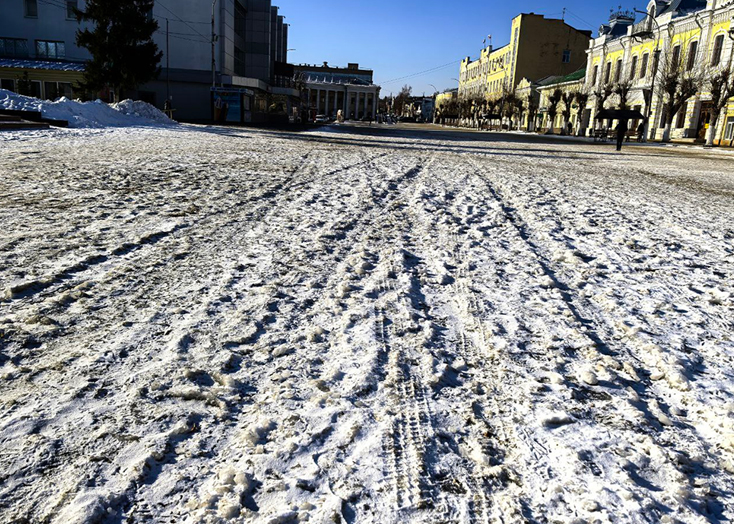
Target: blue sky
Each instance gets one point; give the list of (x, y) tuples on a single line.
[(399, 38)]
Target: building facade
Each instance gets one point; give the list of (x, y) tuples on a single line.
[(539, 47), (695, 35), (568, 111), (329, 90), (250, 54)]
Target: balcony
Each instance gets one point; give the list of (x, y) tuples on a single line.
[(643, 30)]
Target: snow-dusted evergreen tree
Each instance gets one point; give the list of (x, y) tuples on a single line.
[(121, 44)]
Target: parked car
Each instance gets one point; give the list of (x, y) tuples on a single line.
[(321, 119)]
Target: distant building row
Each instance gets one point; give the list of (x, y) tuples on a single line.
[(252, 75), (622, 66)]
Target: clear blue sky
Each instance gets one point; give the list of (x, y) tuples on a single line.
[(398, 38)]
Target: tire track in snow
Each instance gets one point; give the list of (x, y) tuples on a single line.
[(606, 339)]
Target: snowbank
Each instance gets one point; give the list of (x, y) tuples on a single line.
[(88, 114)]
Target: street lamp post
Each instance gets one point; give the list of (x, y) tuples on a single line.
[(214, 39), (731, 61), (648, 110)]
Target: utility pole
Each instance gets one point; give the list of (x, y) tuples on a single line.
[(214, 39), (168, 66)]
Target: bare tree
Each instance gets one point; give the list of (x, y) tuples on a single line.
[(567, 97), (402, 99), (532, 105), (553, 100), (601, 94), (677, 84), (582, 100), (507, 109), (519, 109), (622, 90), (721, 85)]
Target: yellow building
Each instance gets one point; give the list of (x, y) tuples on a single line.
[(44, 79), (539, 48), (696, 35), (569, 86)]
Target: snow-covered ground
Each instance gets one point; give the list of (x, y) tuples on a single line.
[(356, 326)]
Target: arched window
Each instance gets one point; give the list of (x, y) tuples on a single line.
[(633, 69), (692, 52), (718, 48), (643, 67), (675, 61)]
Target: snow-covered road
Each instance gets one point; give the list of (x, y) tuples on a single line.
[(360, 326)]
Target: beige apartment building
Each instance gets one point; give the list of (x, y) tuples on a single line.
[(539, 47)]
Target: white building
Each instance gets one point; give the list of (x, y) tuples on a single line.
[(349, 89), (38, 37)]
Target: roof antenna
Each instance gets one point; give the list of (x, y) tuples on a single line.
[(563, 17)]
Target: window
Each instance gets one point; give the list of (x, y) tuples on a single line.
[(729, 135), (608, 73), (718, 48), (643, 67), (676, 57), (692, 51), (239, 62), (54, 90), (8, 84), (566, 56), (13, 47), (51, 90), (595, 75), (31, 8), (633, 69), (50, 49), (618, 71), (240, 18), (35, 89), (71, 5)]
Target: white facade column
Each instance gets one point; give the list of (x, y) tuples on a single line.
[(346, 102), (365, 103), (336, 102), (375, 101)]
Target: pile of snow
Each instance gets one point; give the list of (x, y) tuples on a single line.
[(88, 114), (142, 110)]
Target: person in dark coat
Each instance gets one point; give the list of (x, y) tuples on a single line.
[(641, 132), (621, 132)]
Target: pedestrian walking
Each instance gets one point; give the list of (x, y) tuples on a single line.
[(217, 109), (641, 132)]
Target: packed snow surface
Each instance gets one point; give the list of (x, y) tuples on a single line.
[(361, 326), (88, 114)]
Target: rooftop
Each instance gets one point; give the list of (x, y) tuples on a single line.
[(27, 63)]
